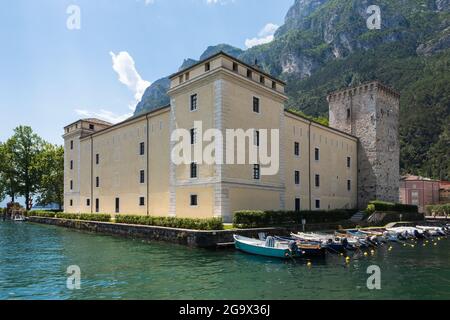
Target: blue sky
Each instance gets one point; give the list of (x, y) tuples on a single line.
[(51, 76)]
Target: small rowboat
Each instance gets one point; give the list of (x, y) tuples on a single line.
[(351, 240), (306, 248), (371, 241), (325, 241), (268, 248)]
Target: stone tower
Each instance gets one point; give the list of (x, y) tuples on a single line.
[(370, 112)]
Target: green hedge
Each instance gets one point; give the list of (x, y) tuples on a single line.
[(395, 207), (441, 210), (85, 217), (181, 223), (43, 214), (71, 216), (261, 219)]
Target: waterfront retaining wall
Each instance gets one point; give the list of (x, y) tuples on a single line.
[(192, 238)]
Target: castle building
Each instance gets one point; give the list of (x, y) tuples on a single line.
[(128, 168)]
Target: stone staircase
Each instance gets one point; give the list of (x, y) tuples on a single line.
[(359, 216)]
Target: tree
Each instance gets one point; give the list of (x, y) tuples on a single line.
[(50, 164), (9, 185), (439, 157), (25, 149)]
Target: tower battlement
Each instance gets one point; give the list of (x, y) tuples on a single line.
[(361, 89)]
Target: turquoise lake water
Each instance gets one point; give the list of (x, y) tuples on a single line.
[(34, 260)]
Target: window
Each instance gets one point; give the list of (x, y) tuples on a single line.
[(256, 138), (256, 172), (317, 154), (187, 76), (71, 185), (349, 162), (117, 205), (297, 177), (297, 149), (142, 176), (71, 144), (317, 204), (274, 85), (235, 67), (262, 79), (349, 113), (142, 148), (207, 67), (180, 79), (71, 202), (71, 164), (194, 200), (349, 185), (194, 170), (193, 136), (297, 205), (88, 202), (97, 158), (142, 201), (317, 181), (249, 73), (97, 205), (91, 127), (256, 104), (97, 182), (194, 100)]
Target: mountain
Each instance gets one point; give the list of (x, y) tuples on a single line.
[(156, 95), (325, 45)]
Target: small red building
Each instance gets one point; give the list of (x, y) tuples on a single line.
[(419, 191), (445, 192)]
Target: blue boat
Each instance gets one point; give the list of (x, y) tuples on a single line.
[(268, 248)]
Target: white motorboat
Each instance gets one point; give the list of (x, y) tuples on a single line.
[(434, 231)]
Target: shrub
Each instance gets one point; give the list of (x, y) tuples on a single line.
[(260, 219), (441, 210), (85, 217), (370, 209), (181, 223), (395, 207), (42, 214)]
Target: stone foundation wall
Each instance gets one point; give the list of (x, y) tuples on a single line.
[(192, 238)]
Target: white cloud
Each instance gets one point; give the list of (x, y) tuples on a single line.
[(266, 35), (103, 115), (125, 67), (123, 64)]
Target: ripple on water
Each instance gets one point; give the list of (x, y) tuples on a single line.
[(34, 260)]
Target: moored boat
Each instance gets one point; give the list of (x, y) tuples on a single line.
[(327, 241), (306, 248), (434, 231), (268, 248)]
